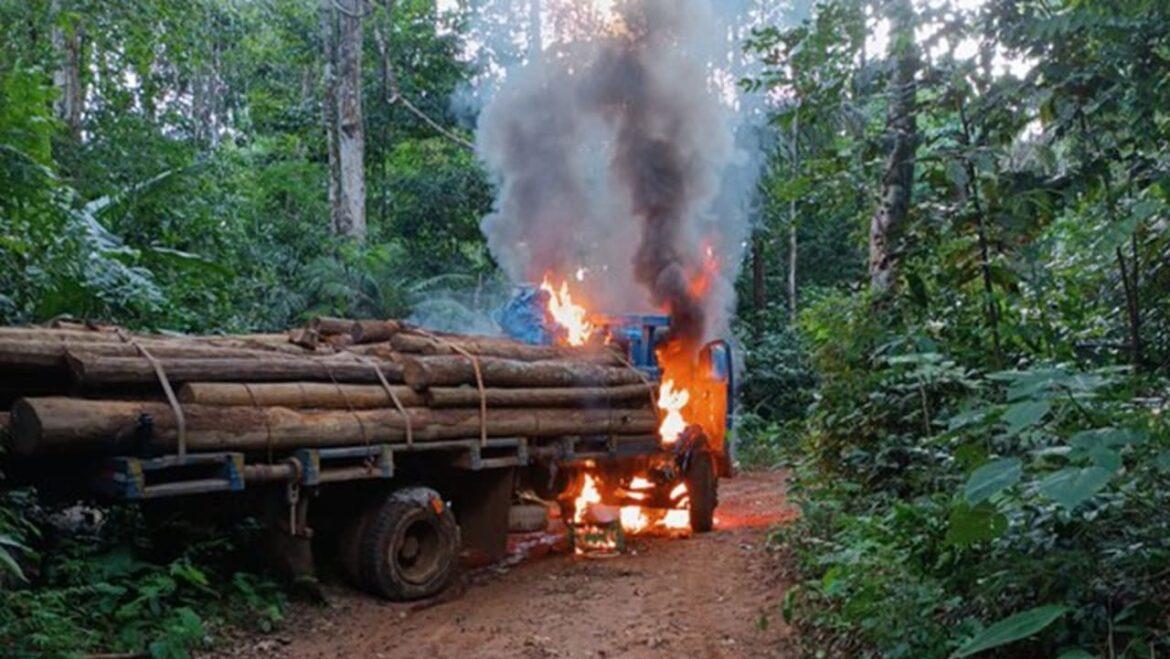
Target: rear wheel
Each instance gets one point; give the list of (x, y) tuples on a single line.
[(408, 545), (349, 551), (703, 487)]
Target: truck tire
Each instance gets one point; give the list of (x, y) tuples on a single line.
[(703, 486), (349, 548), (409, 546)]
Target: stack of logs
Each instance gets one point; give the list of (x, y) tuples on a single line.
[(88, 390)]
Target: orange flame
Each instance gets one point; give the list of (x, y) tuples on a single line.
[(636, 519), (672, 401), (569, 315), (589, 495)]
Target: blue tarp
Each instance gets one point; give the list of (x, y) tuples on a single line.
[(523, 318)]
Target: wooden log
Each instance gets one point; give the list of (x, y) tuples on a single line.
[(490, 346), (374, 331), (5, 422), (95, 370), (624, 396), (298, 395), (49, 353), (78, 336), (260, 342), (325, 326), (70, 426), (441, 371)]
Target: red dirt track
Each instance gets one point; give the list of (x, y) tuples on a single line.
[(714, 595)]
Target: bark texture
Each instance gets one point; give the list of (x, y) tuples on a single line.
[(66, 38), (423, 372), (351, 139), (489, 346), (902, 132), (91, 370), (624, 396), (298, 395), (55, 426)]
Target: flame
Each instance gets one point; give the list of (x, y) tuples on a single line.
[(567, 314), (589, 495), (635, 519), (672, 401), (701, 282)]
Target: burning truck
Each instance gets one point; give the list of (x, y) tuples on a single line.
[(390, 447), (396, 448), (672, 488)]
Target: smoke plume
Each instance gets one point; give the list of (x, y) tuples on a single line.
[(616, 153)]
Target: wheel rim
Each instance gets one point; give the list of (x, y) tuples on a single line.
[(417, 551)]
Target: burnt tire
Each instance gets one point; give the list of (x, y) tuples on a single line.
[(408, 546), (703, 486)]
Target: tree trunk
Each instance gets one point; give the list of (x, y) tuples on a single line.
[(759, 281), (70, 426), (299, 395), (90, 370), (423, 372), (588, 397), (991, 305), (82, 339), (489, 346), (351, 222), (329, 107), (902, 131), (49, 353), (328, 396), (67, 42), (792, 237)]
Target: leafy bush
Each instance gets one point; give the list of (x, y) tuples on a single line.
[(938, 501), (96, 590)]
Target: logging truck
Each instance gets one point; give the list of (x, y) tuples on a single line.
[(393, 449)]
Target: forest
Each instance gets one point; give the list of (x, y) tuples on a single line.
[(952, 303)]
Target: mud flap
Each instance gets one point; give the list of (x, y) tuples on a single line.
[(481, 503)]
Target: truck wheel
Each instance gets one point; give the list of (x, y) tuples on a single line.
[(703, 487), (409, 545), (349, 550)]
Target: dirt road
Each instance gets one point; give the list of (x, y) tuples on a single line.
[(714, 595)]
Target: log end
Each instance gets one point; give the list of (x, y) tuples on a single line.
[(415, 374), (24, 429)]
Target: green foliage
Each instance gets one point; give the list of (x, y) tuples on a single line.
[(99, 590), (1017, 627), (982, 468)]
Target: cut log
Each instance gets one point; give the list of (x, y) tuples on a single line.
[(490, 346), (298, 395), (423, 372), (56, 426), (374, 331), (259, 342), (78, 336), (95, 370), (634, 394), (324, 326), (50, 353)]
